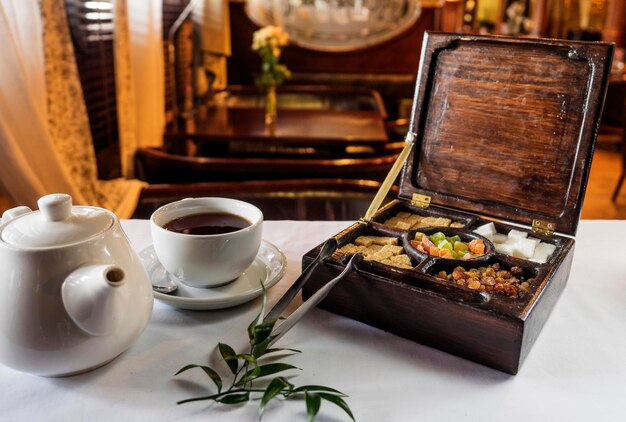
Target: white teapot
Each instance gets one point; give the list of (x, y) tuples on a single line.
[(74, 293)]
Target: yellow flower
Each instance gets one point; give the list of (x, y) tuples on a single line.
[(269, 36), (268, 42)]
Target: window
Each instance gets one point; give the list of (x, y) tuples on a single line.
[(91, 27)]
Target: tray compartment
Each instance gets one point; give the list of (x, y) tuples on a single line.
[(377, 247), (529, 273), (504, 229), (465, 236), (395, 207)]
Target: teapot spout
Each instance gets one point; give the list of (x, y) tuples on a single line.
[(93, 299)]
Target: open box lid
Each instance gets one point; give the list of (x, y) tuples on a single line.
[(505, 127)]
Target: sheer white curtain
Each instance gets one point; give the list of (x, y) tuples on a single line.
[(140, 80), (45, 141)]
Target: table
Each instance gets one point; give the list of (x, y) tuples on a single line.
[(575, 372), (321, 116)]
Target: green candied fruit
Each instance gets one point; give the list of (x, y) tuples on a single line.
[(460, 247), (457, 254), (444, 244), (454, 239), (436, 238), (419, 235)]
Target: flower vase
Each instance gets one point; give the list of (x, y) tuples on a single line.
[(270, 106)]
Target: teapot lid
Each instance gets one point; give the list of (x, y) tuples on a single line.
[(56, 223)]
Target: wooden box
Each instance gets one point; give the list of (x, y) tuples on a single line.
[(504, 131)]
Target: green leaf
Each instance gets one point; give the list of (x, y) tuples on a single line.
[(209, 371), (277, 385), (260, 348), (249, 376), (185, 368), (259, 318), (265, 370), (230, 357), (278, 350), (248, 358), (313, 403), (338, 401), (319, 388), (261, 333), (234, 398)]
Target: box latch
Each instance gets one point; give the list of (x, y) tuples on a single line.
[(419, 200), (543, 227)]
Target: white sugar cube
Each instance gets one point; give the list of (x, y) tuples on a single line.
[(498, 238), (518, 234), (486, 230), (512, 240), (504, 248), (539, 256), (524, 248), (546, 248), (534, 239)]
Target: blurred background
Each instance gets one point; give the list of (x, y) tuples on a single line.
[(130, 104)]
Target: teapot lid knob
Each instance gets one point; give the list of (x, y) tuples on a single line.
[(55, 207)]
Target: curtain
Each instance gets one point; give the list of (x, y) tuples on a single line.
[(212, 23), (147, 68), (140, 81), (45, 139)]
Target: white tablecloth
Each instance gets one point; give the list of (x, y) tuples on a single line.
[(576, 370)]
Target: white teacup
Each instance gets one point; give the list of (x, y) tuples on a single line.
[(206, 260)]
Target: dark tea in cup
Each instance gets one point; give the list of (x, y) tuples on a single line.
[(207, 223), (206, 242)]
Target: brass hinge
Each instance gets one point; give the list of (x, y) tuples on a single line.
[(419, 200), (543, 227)]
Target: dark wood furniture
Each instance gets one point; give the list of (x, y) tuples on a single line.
[(156, 166), (613, 123), (311, 199), (331, 118), (504, 130)]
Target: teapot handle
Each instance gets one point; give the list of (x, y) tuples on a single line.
[(12, 213)]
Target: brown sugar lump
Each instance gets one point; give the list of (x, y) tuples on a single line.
[(375, 240), (380, 249), (408, 221)]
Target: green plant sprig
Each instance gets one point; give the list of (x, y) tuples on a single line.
[(248, 368), (272, 72)]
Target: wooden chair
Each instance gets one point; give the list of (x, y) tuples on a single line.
[(157, 166), (622, 176), (613, 123), (311, 199)]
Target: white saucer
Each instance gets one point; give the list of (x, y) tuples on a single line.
[(268, 267)]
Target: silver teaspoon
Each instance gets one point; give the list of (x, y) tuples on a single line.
[(162, 283)]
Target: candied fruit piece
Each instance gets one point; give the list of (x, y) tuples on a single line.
[(473, 284), (477, 246)]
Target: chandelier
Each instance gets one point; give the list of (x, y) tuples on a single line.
[(336, 25)]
